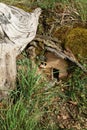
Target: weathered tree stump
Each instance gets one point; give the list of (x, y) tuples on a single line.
[(17, 29)]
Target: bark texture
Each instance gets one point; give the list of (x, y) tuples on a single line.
[(17, 29)]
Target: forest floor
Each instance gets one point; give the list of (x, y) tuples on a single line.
[(39, 104)]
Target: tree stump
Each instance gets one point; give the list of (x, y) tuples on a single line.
[(17, 29)]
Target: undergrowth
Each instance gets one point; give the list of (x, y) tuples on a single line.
[(37, 105)]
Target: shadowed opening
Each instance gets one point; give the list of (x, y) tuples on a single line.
[(56, 73)]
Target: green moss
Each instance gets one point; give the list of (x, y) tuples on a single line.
[(76, 40), (61, 33)]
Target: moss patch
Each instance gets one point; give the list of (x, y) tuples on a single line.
[(76, 40), (61, 33)]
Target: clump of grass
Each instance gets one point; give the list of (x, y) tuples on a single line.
[(27, 77), (82, 10), (77, 90), (22, 112)]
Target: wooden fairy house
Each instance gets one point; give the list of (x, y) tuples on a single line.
[(54, 67), (53, 59)]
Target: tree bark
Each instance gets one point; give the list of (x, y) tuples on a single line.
[(17, 29)]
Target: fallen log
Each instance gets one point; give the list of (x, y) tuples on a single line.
[(17, 29)]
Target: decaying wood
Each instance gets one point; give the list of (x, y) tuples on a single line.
[(52, 45), (17, 29)]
